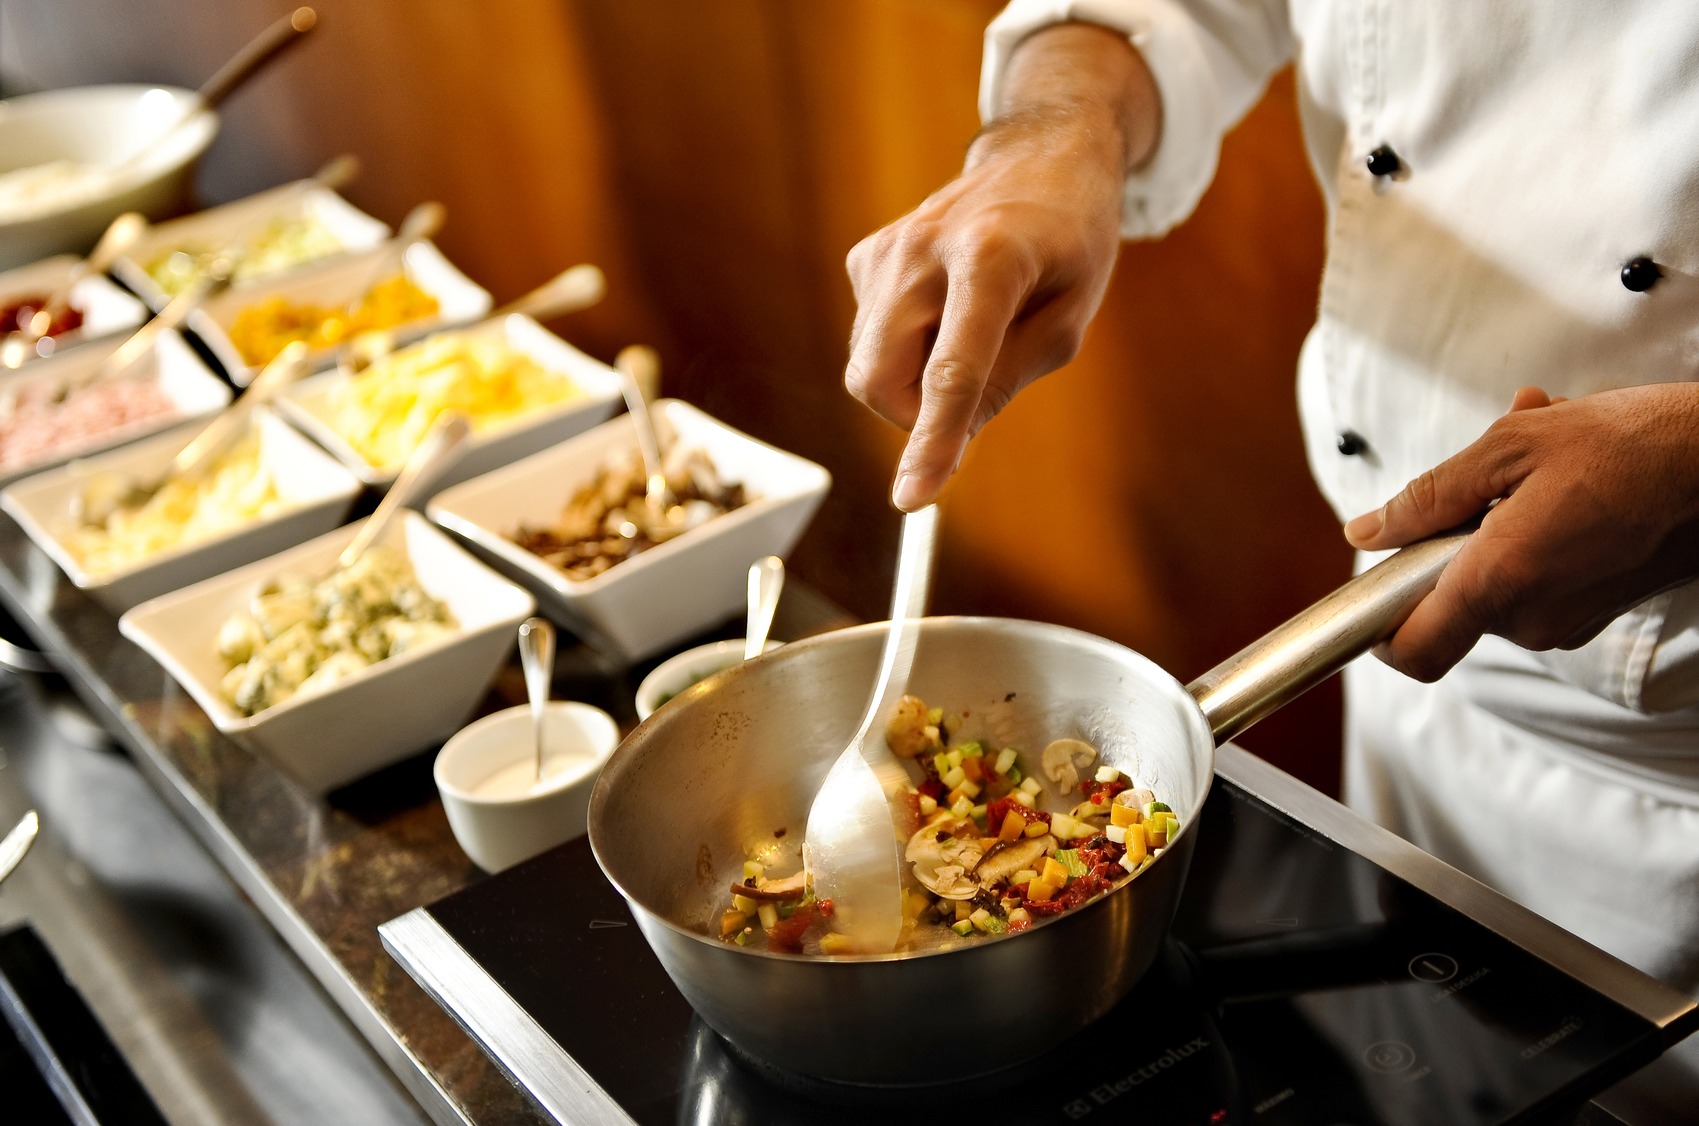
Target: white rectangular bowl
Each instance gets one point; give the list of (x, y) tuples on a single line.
[(195, 393), (673, 590), (316, 490), (338, 282), (106, 308), (231, 224), (307, 405), (377, 716)]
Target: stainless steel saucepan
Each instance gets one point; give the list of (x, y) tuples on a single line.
[(728, 768)]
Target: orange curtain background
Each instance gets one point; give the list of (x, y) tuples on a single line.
[(718, 158)]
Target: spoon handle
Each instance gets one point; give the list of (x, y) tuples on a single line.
[(226, 429), (439, 448), (908, 602), (537, 658), (567, 292), (141, 342), (766, 580), (263, 48)]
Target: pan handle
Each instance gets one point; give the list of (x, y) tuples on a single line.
[(1297, 656)]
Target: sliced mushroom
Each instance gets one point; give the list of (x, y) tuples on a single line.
[(1138, 799), (1065, 759), (775, 891), (942, 866), (1008, 857)]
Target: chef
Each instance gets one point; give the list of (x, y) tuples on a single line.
[(1508, 325)]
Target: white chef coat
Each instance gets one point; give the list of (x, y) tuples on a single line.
[(1539, 148)]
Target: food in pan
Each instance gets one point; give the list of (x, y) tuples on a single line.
[(982, 858), (17, 313), (283, 243), (305, 634), (263, 329), (237, 489), (42, 419), (610, 519), (386, 410)]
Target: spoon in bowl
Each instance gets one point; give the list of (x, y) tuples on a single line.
[(766, 581), (120, 234), (639, 368), (850, 849), (441, 445), (107, 491), (537, 658)]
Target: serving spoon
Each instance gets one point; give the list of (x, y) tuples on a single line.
[(537, 658), (441, 445), (120, 234), (639, 368), (766, 582), (850, 844), (107, 491)]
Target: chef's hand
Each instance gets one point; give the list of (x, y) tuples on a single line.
[(990, 282), (1598, 509)]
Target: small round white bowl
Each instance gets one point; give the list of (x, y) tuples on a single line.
[(679, 672), (500, 831), (100, 125)]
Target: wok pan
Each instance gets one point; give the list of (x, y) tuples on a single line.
[(727, 770)]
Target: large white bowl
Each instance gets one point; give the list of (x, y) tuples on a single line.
[(105, 308), (308, 404), (379, 715), (195, 393), (231, 225), (500, 831), (339, 282), (100, 125), (673, 590), (317, 493)]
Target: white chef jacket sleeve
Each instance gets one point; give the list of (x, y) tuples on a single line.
[(1211, 60)]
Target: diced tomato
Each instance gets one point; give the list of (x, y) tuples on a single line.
[(1102, 793), (825, 906), (932, 788), (996, 811), (1020, 925), (787, 934)]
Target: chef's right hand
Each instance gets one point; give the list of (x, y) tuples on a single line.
[(990, 282)]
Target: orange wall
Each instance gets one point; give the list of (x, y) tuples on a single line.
[(718, 158)]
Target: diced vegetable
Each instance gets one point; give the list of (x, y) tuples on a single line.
[(963, 928), (979, 918), (1070, 859), (1040, 891), (744, 935), (1116, 833), (753, 871), (769, 915), (1036, 829), (834, 943), (1006, 760), (1022, 796), (1055, 872), (955, 777), (973, 769), (1108, 774), (1033, 786), (972, 749), (743, 903), (1156, 807), (1013, 827), (1123, 815), (732, 921), (1024, 876), (927, 806), (1136, 842)]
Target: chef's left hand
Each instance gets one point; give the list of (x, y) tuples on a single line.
[(1598, 509)]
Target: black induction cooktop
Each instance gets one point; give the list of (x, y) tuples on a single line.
[(1318, 972)]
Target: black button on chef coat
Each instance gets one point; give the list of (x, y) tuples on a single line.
[(1384, 162), (1640, 274)]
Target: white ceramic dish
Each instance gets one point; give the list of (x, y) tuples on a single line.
[(233, 224), (308, 405), (377, 716), (499, 830), (98, 125), (195, 393), (684, 670), (317, 492), (671, 591), (342, 281), (105, 308)]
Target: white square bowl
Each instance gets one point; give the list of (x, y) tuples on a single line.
[(671, 591), (308, 404), (317, 493), (105, 308), (379, 715), (339, 282), (195, 393), (232, 224)]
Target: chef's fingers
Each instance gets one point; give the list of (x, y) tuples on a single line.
[(1458, 489), (1476, 594), (899, 310), (981, 305), (1529, 398)]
